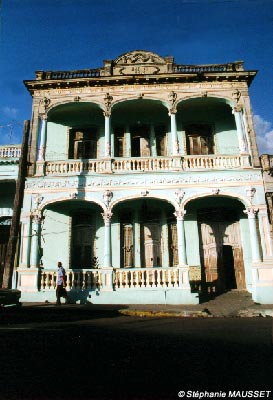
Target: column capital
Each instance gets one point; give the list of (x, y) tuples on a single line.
[(180, 214), (37, 216), (237, 109), (108, 104), (172, 111), (251, 212), (107, 215), (43, 116), (107, 113)]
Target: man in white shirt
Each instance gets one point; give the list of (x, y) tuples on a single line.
[(60, 290)]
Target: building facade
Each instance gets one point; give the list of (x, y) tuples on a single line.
[(144, 179)]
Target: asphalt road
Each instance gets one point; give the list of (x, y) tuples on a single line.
[(78, 353)]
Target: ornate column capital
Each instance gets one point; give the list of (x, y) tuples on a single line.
[(237, 108), (172, 97), (37, 216), (251, 212), (107, 215), (108, 104), (180, 214)]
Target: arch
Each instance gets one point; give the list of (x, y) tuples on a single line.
[(59, 200), (140, 98), (62, 112), (213, 96), (245, 201), (141, 196)]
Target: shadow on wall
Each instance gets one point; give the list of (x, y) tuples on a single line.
[(81, 296)]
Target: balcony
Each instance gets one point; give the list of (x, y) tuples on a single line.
[(10, 151), (143, 164)]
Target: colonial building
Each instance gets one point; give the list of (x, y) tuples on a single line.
[(9, 160), (145, 181)]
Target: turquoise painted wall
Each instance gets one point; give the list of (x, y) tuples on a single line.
[(55, 239), (57, 142)]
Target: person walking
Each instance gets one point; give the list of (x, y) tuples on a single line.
[(60, 290)]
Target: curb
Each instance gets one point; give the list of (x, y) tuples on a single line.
[(168, 314), (249, 313)]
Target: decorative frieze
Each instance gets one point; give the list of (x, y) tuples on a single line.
[(92, 182)]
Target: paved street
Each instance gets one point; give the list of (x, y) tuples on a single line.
[(76, 352)]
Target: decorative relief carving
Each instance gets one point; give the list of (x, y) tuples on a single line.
[(179, 195), (250, 193), (107, 197), (102, 182), (108, 104), (139, 57), (236, 94), (172, 98)]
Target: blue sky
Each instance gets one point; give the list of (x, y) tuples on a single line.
[(78, 34)]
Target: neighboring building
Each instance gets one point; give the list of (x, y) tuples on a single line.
[(145, 181), (9, 161)]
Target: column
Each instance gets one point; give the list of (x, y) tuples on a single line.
[(174, 132), (181, 242), (25, 243), (107, 137), (35, 240), (42, 146), (127, 138), (152, 141), (254, 239), (137, 254), (107, 215), (238, 120), (165, 237), (112, 145)]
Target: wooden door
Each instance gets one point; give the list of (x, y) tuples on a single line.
[(127, 246), (152, 248), (83, 251), (221, 255)]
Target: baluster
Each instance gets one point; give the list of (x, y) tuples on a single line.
[(137, 279)]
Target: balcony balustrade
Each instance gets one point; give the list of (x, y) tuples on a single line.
[(143, 164), (132, 278), (12, 151)]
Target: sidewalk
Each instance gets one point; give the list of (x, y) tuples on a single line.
[(230, 304)]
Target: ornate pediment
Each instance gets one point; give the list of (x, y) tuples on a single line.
[(139, 62)]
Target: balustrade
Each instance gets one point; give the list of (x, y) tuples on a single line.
[(146, 278), (134, 278), (75, 279), (146, 164), (10, 151)]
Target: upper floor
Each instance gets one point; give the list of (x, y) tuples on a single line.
[(142, 112)]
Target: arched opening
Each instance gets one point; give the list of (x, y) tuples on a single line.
[(219, 221), (140, 128), (77, 127), (207, 126), (72, 233), (146, 235)]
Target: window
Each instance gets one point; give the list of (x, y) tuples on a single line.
[(119, 142), (140, 141), (83, 143), (161, 140), (199, 139), (83, 241)]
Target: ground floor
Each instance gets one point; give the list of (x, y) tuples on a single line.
[(145, 248)]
